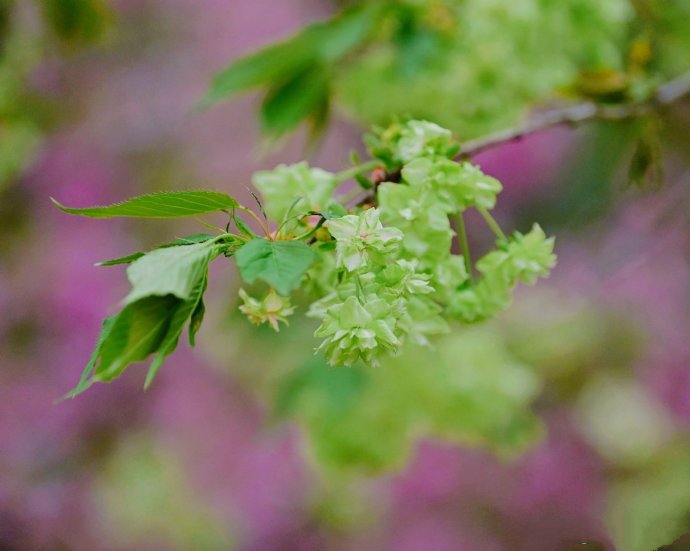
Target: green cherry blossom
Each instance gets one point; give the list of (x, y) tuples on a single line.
[(358, 330), (271, 309), (362, 239), (296, 186)]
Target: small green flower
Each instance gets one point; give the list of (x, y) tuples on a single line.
[(402, 142), (355, 330), (361, 239), (272, 309), (402, 279), (296, 186), (455, 185), (427, 232), (526, 257)]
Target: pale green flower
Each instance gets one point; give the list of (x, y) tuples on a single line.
[(358, 329), (296, 186), (427, 232), (361, 239), (402, 142), (271, 309), (402, 279), (526, 257), (455, 185), (422, 139)]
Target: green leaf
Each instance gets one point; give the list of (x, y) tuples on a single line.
[(272, 64), (196, 320), (121, 260), (327, 42), (86, 381), (136, 332), (77, 22), (167, 204), (177, 323), (189, 240), (170, 270), (290, 103), (281, 264)]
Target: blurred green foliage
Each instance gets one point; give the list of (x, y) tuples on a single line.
[(472, 65), (144, 497), (26, 40)]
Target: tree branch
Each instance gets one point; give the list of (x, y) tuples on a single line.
[(571, 115)]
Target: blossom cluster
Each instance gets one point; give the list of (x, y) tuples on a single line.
[(390, 274)]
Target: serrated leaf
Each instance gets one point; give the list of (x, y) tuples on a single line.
[(281, 264), (287, 105), (177, 323), (121, 260), (137, 331), (170, 271), (181, 241), (166, 204)]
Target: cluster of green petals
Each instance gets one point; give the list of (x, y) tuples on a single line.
[(524, 259), (386, 276), (402, 142), (362, 240), (294, 188), (271, 309)]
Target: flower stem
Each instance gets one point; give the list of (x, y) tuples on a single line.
[(356, 170), (464, 245), (491, 222)]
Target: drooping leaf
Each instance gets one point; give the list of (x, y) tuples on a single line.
[(177, 323), (86, 381), (136, 332), (170, 270), (121, 260), (181, 241), (281, 264), (196, 320), (326, 42), (167, 204), (289, 104)]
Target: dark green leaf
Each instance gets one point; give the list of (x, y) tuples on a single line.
[(177, 323), (77, 22), (196, 321), (168, 204), (86, 381), (281, 264), (327, 42), (287, 105), (170, 271), (273, 64), (136, 332)]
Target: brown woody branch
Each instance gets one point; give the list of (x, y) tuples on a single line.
[(572, 115)]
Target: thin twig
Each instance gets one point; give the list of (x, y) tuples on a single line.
[(665, 95)]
